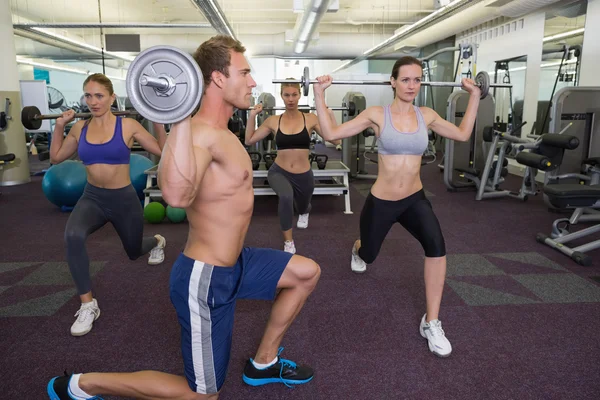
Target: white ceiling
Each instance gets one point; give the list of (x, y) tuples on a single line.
[(266, 27), (245, 16)]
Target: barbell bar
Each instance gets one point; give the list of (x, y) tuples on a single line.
[(482, 80), (31, 116), (301, 108), (165, 85), (159, 83)]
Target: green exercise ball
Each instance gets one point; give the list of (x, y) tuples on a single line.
[(154, 212), (175, 215)]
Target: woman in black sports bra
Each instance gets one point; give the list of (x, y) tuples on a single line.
[(291, 175)]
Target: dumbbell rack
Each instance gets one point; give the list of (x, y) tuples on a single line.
[(335, 171)]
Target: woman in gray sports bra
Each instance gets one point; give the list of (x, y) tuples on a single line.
[(291, 175), (397, 195)]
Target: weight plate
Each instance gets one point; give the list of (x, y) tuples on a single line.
[(305, 81), (174, 105), (483, 81), (351, 109), (27, 118), (83, 107)]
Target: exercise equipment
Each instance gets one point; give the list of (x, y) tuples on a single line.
[(164, 84), (469, 155), (7, 158), (574, 185), (545, 154), (4, 116), (567, 54), (31, 116), (267, 144), (63, 184), (174, 214), (353, 148), (487, 180), (572, 196), (350, 108), (255, 157), (155, 212), (575, 108), (590, 176), (269, 159), (137, 165), (482, 80), (321, 160)]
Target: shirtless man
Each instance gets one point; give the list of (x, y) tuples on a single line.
[(205, 169)]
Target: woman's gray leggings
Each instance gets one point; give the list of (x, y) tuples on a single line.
[(292, 189), (123, 209)]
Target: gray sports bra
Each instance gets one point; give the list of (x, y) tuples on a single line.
[(392, 141)]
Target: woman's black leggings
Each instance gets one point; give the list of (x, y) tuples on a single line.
[(414, 213), (123, 209)]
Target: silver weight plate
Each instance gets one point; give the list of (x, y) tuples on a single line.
[(165, 107), (305, 81), (483, 81)]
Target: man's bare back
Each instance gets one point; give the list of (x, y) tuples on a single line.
[(220, 214)]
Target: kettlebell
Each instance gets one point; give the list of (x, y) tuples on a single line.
[(269, 159), (255, 156), (321, 160)]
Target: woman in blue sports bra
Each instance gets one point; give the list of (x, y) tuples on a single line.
[(291, 175), (397, 195), (103, 144)]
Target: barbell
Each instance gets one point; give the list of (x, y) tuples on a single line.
[(342, 108), (165, 85), (31, 116), (351, 108), (482, 80)]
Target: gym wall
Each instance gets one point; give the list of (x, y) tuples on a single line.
[(263, 72), (71, 85), (591, 46), (519, 37)]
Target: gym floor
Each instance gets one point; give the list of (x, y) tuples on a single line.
[(522, 318)]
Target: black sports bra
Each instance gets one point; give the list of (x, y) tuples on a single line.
[(294, 141)]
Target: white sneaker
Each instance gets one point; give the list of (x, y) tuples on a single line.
[(157, 254), (433, 332), (289, 247), (302, 221), (357, 265), (86, 315)]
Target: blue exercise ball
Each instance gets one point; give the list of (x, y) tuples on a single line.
[(137, 165), (63, 183)]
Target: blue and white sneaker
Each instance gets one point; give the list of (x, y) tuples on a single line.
[(283, 371), (58, 389)]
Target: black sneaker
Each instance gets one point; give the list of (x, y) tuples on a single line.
[(283, 371), (58, 388)]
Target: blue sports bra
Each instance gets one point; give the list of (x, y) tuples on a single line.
[(115, 151)]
